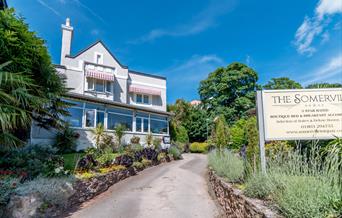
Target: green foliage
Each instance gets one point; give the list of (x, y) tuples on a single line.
[(7, 187), (252, 142), (161, 156), (323, 85), (149, 139), (55, 191), (175, 152), (70, 160), (119, 133), (227, 164), (146, 162), (98, 133), (230, 88), (107, 158), (138, 165), (65, 140), (238, 134), (135, 140), (157, 143), (178, 133), (199, 147), (222, 135), (34, 160), (29, 83), (303, 183), (282, 83)]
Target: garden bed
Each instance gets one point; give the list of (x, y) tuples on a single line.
[(234, 203)]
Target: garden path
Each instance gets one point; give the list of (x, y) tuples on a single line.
[(174, 190)]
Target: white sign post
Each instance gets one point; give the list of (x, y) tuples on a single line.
[(298, 114)]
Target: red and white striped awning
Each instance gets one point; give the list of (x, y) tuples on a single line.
[(98, 75), (144, 90)]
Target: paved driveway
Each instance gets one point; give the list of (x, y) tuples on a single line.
[(177, 189)]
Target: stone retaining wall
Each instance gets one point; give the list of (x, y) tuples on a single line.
[(234, 203)]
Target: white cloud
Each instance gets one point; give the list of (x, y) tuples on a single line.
[(314, 26), (201, 22), (194, 69), (43, 3), (330, 71)]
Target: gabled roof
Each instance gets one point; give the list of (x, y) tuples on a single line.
[(92, 45)]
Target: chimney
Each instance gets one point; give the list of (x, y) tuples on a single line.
[(67, 31)]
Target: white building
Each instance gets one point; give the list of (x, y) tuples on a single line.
[(105, 91)]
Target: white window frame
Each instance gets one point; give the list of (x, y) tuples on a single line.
[(142, 98), (121, 114), (104, 84)]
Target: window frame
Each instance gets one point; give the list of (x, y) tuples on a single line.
[(149, 97)]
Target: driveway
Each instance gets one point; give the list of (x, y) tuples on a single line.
[(177, 189)]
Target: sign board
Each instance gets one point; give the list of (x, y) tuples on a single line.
[(166, 140), (302, 114), (298, 114)]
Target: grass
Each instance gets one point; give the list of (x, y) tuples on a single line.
[(227, 164), (70, 160), (302, 183)]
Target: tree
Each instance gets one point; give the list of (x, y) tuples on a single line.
[(232, 87), (282, 83), (119, 133), (98, 133), (324, 85), (252, 142), (41, 100), (196, 124), (222, 135), (238, 134), (181, 110)]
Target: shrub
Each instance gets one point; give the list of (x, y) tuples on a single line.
[(71, 160), (149, 139), (238, 136), (87, 162), (161, 156), (199, 147), (106, 159), (106, 170), (119, 133), (227, 164), (174, 151), (146, 162), (222, 135), (33, 159), (138, 165), (55, 191), (7, 186), (135, 140), (157, 143), (65, 140), (302, 183), (124, 160)]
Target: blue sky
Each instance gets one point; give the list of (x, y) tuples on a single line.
[(186, 40)]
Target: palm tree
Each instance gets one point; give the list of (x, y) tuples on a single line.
[(16, 105), (98, 133)]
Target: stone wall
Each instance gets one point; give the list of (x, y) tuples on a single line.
[(234, 203)]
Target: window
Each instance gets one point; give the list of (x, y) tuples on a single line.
[(145, 125), (90, 118), (99, 59), (109, 86), (75, 118), (138, 124), (159, 124), (100, 117), (142, 99), (90, 82), (114, 120), (142, 122), (99, 85)]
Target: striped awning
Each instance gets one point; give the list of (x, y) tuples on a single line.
[(98, 75), (144, 90)]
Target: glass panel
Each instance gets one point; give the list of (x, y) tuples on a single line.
[(95, 106), (109, 86), (139, 98), (116, 119), (140, 114), (138, 122), (100, 117), (90, 82), (120, 111), (158, 117), (159, 126), (90, 118), (145, 125), (146, 99), (75, 118), (74, 103), (99, 85)]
